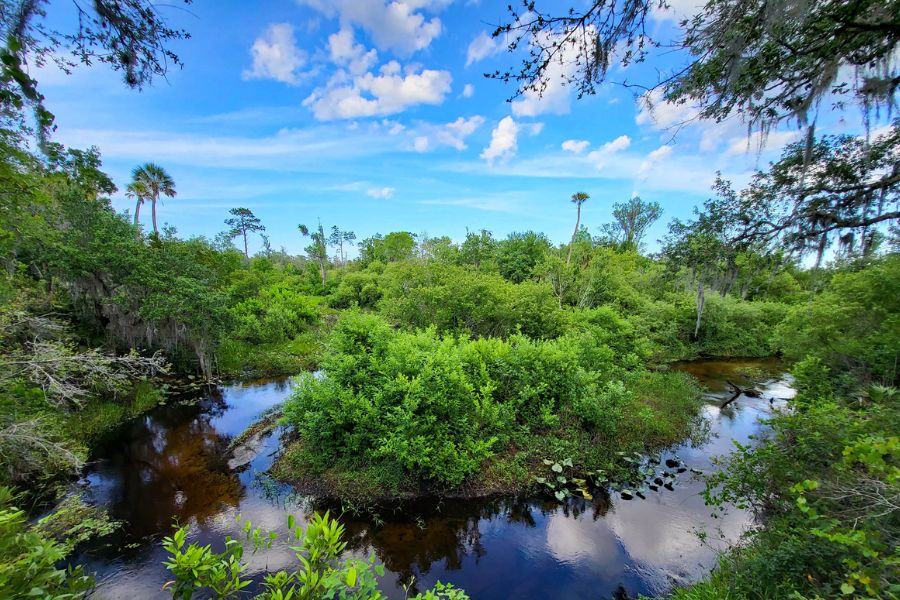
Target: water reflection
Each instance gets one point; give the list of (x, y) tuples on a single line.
[(173, 463)]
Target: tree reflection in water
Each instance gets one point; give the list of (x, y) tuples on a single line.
[(169, 465)]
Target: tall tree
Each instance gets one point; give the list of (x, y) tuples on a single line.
[(137, 190), (338, 238), (242, 221), (578, 198), (318, 250), (632, 219), (157, 182)]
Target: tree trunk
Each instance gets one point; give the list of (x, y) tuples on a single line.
[(246, 254), (137, 212), (155, 229), (322, 267), (574, 235), (701, 303)]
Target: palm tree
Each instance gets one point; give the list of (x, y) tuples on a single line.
[(157, 182), (578, 198), (137, 189)]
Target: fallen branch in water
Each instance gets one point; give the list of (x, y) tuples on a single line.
[(738, 391)]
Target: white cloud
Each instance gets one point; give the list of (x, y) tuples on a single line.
[(344, 51), (468, 90), (382, 192), (289, 149), (601, 155), (757, 142), (655, 111), (576, 146), (482, 47), (504, 141), (389, 92), (276, 55), (397, 25), (453, 134), (555, 97), (677, 10), (654, 158)]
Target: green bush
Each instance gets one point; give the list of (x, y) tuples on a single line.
[(462, 300), (28, 560), (438, 407), (852, 326)]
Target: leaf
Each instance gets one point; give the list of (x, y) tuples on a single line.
[(567, 462), (290, 521), (541, 479), (847, 589), (548, 462), (351, 577), (556, 468), (560, 495)]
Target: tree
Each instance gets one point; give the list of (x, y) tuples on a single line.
[(633, 218), (393, 247), (836, 188), (520, 253), (139, 191), (578, 198), (130, 36), (157, 182), (318, 250), (339, 238), (478, 249), (242, 221), (767, 62)]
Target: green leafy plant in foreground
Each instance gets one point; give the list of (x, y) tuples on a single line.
[(321, 573)]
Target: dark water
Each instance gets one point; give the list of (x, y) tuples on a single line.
[(170, 464)]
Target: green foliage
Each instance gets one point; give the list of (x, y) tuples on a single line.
[(321, 572), (359, 289), (853, 325), (439, 407), (459, 300), (396, 246), (519, 255), (28, 560)]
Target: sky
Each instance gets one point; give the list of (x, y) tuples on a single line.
[(375, 116)]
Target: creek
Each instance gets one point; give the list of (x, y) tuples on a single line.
[(172, 463)]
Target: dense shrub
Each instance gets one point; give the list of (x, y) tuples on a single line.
[(456, 299), (277, 313), (437, 407), (853, 325)]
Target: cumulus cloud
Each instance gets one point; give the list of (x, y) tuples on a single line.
[(468, 90), (504, 141), (653, 110), (397, 25), (451, 134), (576, 146), (455, 133), (757, 142), (382, 192), (344, 51), (390, 91), (276, 55), (555, 97), (653, 158), (601, 155), (482, 47)]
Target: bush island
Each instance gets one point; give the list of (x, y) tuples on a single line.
[(435, 408)]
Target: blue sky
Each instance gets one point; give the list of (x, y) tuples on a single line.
[(375, 116)]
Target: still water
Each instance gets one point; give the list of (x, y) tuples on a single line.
[(171, 464)]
